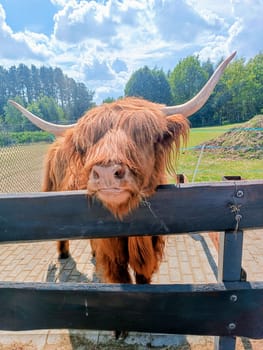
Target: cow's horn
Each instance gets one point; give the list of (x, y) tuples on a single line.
[(197, 102), (55, 129)]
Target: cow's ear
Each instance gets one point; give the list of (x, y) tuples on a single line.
[(178, 127)]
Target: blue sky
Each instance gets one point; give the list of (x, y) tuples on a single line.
[(32, 15), (101, 43)]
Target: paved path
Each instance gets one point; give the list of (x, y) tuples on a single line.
[(188, 259)]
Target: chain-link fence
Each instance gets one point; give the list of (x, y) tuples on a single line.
[(21, 167)]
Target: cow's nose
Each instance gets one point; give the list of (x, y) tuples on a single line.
[(108, 173), (119, 171)]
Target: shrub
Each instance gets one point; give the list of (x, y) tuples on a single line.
[(9, 138)]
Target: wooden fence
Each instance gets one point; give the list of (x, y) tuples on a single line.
[(232, 307)]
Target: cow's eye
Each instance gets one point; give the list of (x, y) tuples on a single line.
[(95, 175), (80, 150)]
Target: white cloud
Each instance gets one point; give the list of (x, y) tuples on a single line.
[(102, 42), (61, 3), (3, 25), (210, 9), (247, 38), (84, 21), (177, 21)]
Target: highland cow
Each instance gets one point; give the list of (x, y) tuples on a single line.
[(119, 153)]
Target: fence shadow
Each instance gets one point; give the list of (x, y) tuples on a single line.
[(66, 271), (209, 256)]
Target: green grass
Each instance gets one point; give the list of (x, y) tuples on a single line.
[(200, 135), (212, 167)]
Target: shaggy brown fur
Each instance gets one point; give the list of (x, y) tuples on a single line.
[(134, 136)]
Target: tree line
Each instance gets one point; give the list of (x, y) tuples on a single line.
[(45, 91), (237, 97), (55, 97)]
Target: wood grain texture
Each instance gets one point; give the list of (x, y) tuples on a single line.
[(173, 209), (174, 309)]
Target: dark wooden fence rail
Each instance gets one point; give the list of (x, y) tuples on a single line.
[(227, 309)]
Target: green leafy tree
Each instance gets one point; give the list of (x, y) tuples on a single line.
[(186, 80), (208, 67), (254, 75), (48, 109), (239, 93), (149, 84), (81, 100), (12, 90), (30, 84), (60, 87), (24, 83), (3, 84), (108, 100), (36, 83), (47, 81), (230, 99), (45, 107), (13, 119)]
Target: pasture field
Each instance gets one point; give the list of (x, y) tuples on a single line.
[(212, 166), (21, 166)]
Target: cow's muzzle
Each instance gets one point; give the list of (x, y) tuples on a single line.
[(112, 182), (108, 177), (115, 186)]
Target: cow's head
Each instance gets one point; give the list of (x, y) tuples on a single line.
[(124, 147)]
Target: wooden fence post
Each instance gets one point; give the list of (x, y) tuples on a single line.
[(229, 270)]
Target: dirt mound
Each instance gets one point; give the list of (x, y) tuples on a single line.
[(244, 141)]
